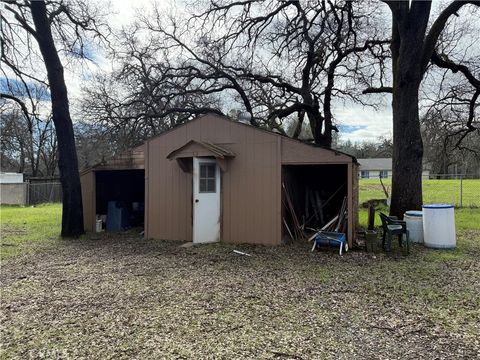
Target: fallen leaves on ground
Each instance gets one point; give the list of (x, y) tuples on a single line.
[(124, 297)]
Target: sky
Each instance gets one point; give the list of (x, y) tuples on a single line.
[(356, 123), (359, 124)]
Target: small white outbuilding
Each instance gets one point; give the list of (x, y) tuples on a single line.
[(11, 178)]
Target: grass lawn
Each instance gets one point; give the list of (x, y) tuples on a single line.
[(24, 228), (465, 219), (434, 191), (122, 297)]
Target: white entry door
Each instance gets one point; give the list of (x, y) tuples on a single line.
[(206, 200)]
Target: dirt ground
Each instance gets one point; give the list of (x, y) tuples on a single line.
[(125, 297)]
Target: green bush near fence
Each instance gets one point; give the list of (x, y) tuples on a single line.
[(434, 191)]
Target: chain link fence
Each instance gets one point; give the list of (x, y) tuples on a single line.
[(30, 193), (460, 190), (48, 192)]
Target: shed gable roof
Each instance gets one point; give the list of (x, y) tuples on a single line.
[(194, 147)]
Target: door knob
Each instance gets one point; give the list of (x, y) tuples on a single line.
[(196, 200)]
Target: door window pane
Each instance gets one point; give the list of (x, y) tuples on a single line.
[(203, 171), (207, 177), (210, 185), (211, 171)]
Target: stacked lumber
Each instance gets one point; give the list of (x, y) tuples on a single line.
[(296, 229), (313, 218)]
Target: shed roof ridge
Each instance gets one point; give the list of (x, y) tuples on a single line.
[(226, 118), (223, 118)]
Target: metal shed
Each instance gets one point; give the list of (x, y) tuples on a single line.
[(121, 178), (216, 179)]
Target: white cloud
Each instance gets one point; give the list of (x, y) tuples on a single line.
[(369, 124)]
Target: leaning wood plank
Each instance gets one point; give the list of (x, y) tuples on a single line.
[(331, 196), (320, 206), (342, 211), (313, 236), (329, 223), (288, 229), (291, 210), (296, 223), (315, 214), (323, 228)]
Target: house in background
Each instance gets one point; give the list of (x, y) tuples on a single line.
[(214, 179), (380, 168)]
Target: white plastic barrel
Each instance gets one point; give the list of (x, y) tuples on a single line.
[(98, 225), (439, 226), (414, 220)]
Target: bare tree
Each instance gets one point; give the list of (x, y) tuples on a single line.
[(278, 59), (414, 46), (28, 148), (28, 139), (440, 134), (382, 148), (30, 30), (137, 100)]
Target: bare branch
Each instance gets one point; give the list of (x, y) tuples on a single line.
[(378, 90), (19, 102), (439, 25)]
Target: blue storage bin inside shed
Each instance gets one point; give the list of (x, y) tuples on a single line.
[(117, 216)]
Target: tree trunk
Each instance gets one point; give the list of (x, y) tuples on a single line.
[(407, 150), (72, 214), (324, 140), (22, 161), (412, 48), (322, 136), (408, 33)]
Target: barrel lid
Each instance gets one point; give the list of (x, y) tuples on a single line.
[(414, 213), (438, 206)]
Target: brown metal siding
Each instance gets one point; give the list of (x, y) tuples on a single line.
[(295, 152), (169, 191), (146, 227), (250, 187), (350, 208), (87, 181), (355, 195)]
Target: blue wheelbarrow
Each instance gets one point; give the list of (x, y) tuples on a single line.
[(331, 239)]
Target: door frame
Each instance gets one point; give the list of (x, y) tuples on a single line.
[(197, 161)]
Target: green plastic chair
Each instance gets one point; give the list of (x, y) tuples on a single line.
[(391, 227)]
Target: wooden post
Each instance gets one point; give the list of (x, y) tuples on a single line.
[(371, 217)]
